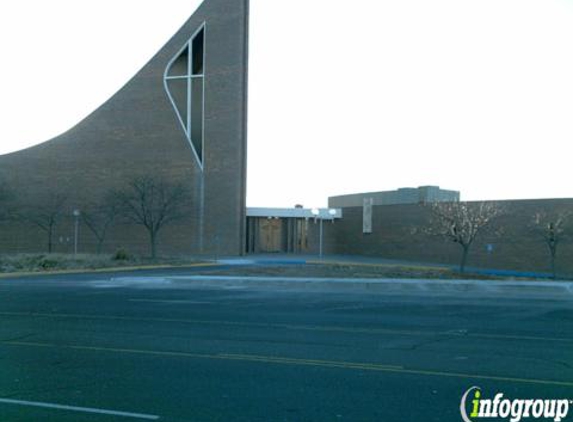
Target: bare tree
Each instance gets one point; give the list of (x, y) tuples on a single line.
[(47, 215), (551, 229), (462, 222), (99, 217), (153, 203)]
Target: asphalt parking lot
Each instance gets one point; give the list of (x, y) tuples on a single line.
[(148, 346)]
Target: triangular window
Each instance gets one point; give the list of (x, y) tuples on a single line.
[(180, 66), (185, 86)]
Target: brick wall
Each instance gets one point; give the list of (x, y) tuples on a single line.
[(136, 132), (397, 234)]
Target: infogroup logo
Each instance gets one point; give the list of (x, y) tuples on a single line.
[(516, 409)]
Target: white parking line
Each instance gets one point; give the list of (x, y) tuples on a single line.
[(80, 409)]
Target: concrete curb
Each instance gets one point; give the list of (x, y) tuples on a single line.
[(420, 286)]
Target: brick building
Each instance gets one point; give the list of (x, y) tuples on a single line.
[(181, 118)]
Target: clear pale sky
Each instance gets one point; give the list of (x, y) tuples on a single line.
[(345, 96)]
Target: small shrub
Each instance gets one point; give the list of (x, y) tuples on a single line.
[(47, 263), (121, 255)]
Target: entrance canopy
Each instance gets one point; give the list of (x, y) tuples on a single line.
[(284, 230)]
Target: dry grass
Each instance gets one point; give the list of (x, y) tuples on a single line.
[(17, 263), (23, 263), (349, 271)]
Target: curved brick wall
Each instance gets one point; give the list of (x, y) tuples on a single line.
[(137, 132)]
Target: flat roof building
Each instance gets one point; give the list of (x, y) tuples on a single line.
[(419, 195)]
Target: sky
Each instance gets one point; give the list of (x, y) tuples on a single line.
[(344, 96)]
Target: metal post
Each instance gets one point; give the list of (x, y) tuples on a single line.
[(320, 240), (201, 212), (76, 230)]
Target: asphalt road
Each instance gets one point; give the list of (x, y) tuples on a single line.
[(94, 348)]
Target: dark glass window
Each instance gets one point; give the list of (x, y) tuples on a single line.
[(197, 115), (179, 66), (198, 48), (178, 91)]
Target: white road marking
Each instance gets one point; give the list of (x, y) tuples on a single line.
[(193, 302), (79, 409)]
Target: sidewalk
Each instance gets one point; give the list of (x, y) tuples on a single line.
[(460, 288)]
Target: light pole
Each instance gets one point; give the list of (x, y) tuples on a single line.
[(316, 213), (76, 227)]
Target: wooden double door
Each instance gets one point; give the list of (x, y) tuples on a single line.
[(277, 235), (271, 235)]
